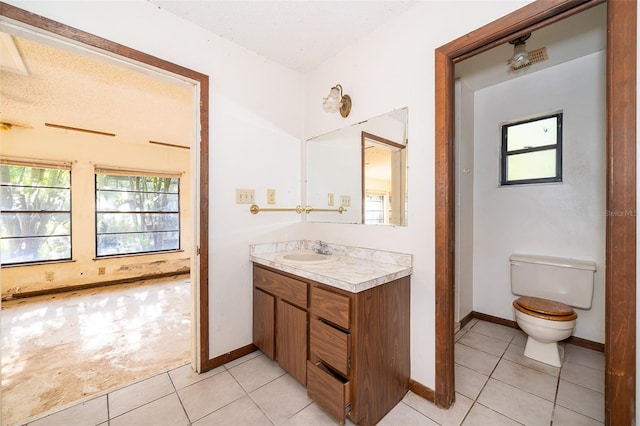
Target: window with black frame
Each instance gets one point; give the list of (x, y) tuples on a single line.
[(35, 201), (136, 213), (532, 151)]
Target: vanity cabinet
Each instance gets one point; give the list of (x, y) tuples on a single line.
[(351, 350), (359, 359), (280, 320)]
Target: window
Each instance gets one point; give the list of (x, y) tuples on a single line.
[(374, 209), (35, 223), (136, 213), (532, 151)]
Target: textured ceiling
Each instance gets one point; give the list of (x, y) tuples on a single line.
[(77, 91), (297, 34)]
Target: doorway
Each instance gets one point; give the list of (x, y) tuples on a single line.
[(620, 332), (21, 19)]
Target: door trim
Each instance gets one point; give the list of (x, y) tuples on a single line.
[(22, 16), (620, 327)]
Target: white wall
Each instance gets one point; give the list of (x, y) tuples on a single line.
[(389, 69), (464, 200), (254, 140), (566, 219)]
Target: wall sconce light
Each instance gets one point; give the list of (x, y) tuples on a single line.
[(520, 55), (336, 101)]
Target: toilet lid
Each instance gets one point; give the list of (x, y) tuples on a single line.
[(545, 308)]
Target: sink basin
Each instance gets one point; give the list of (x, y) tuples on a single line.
[(306, 258)]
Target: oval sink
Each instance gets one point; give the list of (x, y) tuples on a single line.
[(306, 258)]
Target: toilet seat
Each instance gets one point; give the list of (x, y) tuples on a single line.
[(545, 308)]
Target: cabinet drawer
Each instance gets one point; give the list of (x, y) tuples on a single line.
[(289, 289), (331, 307), (330, 345), (329, 391)]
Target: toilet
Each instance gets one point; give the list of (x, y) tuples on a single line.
[(550, 287)]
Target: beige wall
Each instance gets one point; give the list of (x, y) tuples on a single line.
[(84, 150)]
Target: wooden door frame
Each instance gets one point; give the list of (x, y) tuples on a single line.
[(620, 286), (36, 21)]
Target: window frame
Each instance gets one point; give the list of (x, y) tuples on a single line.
[(504, 154), (46, 165), (138, 174)]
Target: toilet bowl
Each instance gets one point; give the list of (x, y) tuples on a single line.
[(550, 287), (546, 322)]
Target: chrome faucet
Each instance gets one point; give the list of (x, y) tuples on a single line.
[(322, 248)]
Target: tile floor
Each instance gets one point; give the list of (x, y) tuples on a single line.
[(496, 385)]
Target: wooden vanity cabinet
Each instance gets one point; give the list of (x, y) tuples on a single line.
[(359, 353), (280, 320), (351, 350)]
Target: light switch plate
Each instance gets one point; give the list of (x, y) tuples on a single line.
[(245, 196)]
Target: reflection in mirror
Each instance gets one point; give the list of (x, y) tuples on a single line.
[(363, 168), (384, 173)]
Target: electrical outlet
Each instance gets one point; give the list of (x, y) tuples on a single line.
[(245, 196), (271, 196), (48, 276), (101, 270), (345, 200), (330, 199)]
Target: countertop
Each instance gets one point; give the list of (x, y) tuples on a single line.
[(356, 270)]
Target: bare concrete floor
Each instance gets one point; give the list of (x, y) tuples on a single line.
[(63, 348)]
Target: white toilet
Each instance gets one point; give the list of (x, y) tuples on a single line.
[(550, 287)]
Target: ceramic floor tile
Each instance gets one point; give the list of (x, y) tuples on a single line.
[(581, 400), (240, 412), (312, 415), (459, 334), (583, 376), (469, 382), (245, 358), (586, 357), (453, 416), (474, 359), (402, 414), (483, 416), (469, 325), (185, 375), (281, 399), (256, 372), (495, 330), (516, 404), (484, 343), (208, 395), (88, 413), (516, 354), (139, 394), (527, 379), (565, 417), (166, 411), (519, 339)]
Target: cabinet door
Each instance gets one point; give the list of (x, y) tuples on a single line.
[(264, 322), (291, 340)]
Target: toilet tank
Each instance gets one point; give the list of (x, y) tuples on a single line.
[(565, 280)]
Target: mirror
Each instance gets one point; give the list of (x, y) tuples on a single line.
[(362, 168)]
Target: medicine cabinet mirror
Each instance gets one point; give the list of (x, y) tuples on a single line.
[(362, 168)]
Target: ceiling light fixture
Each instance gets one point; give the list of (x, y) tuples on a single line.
[(520, 55), (336, 101)]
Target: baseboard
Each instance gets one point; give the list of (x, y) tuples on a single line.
[(466, 319), (78, 287), (422, 391), (231, 356), (572, 340), (495, 320)]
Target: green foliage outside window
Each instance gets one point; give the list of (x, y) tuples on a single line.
[(35, 218), (136, 214)]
